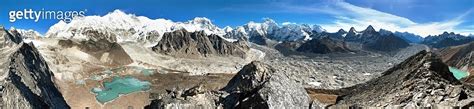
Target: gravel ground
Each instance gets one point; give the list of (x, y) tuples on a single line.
[(332, 71)]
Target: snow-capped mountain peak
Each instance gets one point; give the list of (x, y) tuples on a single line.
[(369, 29), (286, 31), (201, 20), (227, 29), (27, 34), (119, 26), (352, 29), (318, 28)]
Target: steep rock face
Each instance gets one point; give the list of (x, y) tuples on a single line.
[(421, 80), (323, 46), (9, 38), (184, 44), (352, 33), (461, 57), (28, 82), (258, 85), (368, 35), (386, 43), (109, 53)]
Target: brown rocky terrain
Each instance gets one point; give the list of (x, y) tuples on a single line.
[(422, 80), (181, 43), (109, 53)]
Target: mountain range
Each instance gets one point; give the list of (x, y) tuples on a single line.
[(122, 60)]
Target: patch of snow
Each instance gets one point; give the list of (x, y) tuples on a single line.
[(315, 83)]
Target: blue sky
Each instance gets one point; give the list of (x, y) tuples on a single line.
[(422, 17)]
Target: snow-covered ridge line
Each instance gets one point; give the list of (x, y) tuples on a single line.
[(27, 33), (122, 27), (127, 27)]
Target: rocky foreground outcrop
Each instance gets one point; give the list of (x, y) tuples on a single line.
[(181, 43), (257, 85), (28, 83), (422, 80)]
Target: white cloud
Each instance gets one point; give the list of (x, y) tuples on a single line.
[(287, 23), (348, 15)]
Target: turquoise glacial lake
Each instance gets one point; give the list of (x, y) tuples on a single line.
[(119, 86), (458, 73)]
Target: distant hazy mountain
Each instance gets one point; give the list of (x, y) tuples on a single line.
[(409, 37), (118, 26), (269, 29), (446, 39), (382, 40)]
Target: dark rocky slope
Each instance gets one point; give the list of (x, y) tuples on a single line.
[(28, 82), (386, 43), (421, 80), (323, 46), (181, 43)]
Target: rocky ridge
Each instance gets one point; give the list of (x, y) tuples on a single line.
[(257, 85), (26, 79), (422, 80), (182, 43)]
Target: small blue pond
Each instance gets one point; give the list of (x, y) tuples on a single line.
[(458, 73), (119, 86)]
